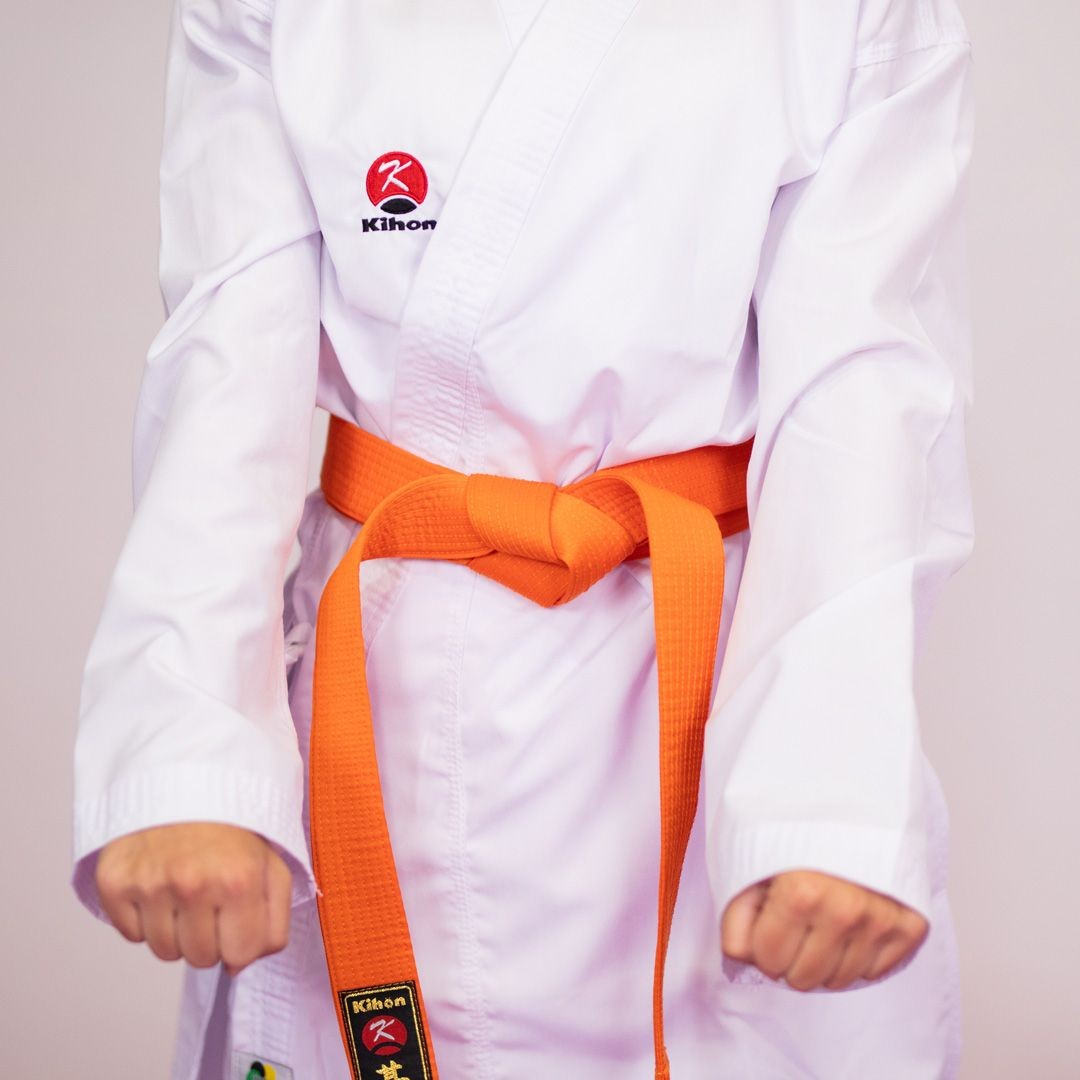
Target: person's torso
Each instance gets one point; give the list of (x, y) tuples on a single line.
[(543, 221)]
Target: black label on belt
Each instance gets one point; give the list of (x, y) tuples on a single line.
[(387, 1040)]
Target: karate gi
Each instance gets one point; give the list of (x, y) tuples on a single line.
[(537, 239)]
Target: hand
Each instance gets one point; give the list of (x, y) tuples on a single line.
[(814, 929), (198, 890)]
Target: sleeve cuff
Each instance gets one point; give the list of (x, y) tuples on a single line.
[(251, 801), (891, 863)]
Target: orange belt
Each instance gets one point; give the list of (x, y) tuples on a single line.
[(550, 544)]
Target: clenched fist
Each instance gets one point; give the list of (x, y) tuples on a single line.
[(814, 929), (199, 890)]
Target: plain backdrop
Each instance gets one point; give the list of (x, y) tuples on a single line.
[(81, 86)]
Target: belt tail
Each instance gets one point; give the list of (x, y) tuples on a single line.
[(687, 554), (369, 954)]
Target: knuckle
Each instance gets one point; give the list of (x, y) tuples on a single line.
[(883, 922), (238, 882), (802, 983), (112, 882), (804, 895), (851, 911), (151, 887), (913, 927), (187, 882)]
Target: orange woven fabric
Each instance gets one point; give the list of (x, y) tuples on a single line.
[(549, 544)]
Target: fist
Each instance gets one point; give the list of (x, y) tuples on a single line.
[(812, 929), (202, 891)]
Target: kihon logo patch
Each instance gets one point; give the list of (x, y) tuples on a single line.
[(386, 1037), (397, 184)]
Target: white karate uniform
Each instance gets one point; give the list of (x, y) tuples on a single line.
[(623, 228)]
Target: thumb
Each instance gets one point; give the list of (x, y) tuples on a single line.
[(737, 924)]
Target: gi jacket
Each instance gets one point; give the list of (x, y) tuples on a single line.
[(538, 239)]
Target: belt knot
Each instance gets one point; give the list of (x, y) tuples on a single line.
[(512, 515), (549, 543)]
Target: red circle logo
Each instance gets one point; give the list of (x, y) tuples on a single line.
[(396, 182), (384, 1035)]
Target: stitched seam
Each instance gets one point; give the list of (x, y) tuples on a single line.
[(884, 54), (954, 1005), (265, 8), (459, 869), (500, 8)]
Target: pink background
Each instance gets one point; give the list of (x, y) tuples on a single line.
[(81, 86)]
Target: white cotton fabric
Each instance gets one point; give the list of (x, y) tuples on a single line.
[(657, 225)]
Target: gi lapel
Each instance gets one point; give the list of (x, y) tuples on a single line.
[(486, 205)]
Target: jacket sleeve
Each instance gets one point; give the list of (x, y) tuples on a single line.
[(184, 712), (858, 492)]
